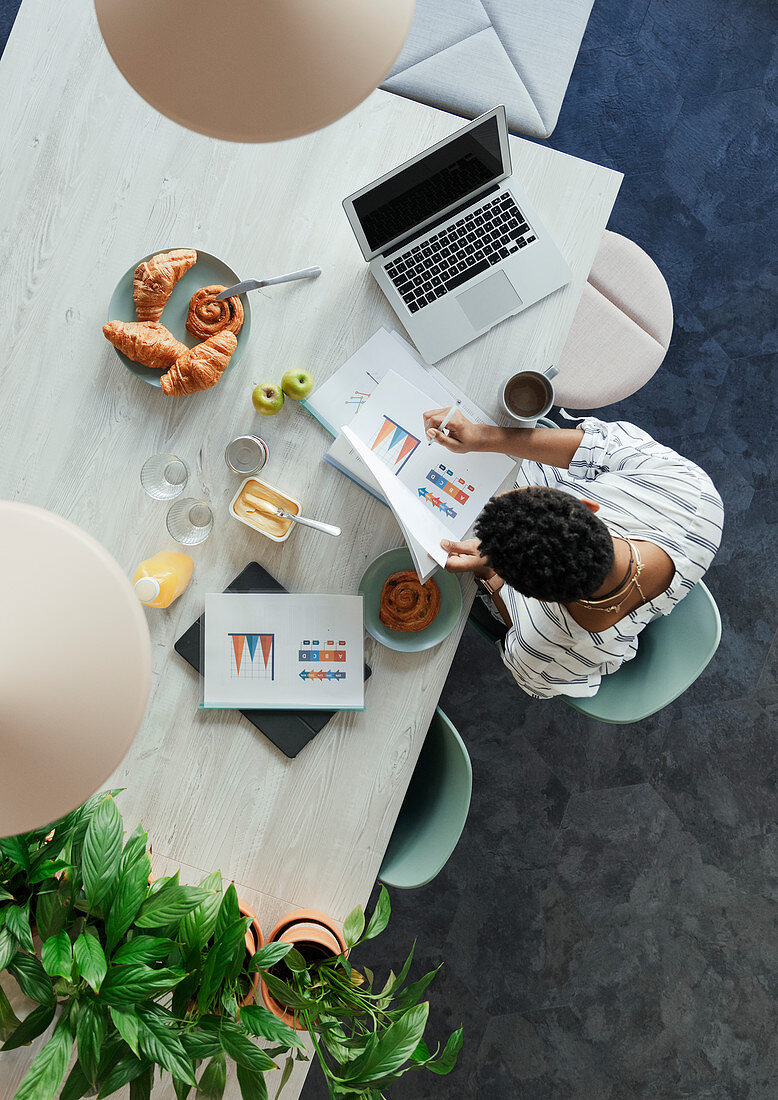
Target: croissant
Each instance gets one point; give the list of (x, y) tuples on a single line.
[(201, 367), (145, 342), (155, 278), (207, 316)]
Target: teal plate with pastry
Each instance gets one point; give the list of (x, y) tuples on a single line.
[(175, 267), (402, 613)]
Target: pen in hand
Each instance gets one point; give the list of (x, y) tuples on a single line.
[(446, 418)]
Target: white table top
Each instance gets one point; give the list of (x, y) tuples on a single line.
[(92, 179)]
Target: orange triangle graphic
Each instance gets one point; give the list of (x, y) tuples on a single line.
[(266, 641), (237, 644)]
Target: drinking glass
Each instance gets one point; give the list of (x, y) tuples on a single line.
[(189, 521), (164, 476)]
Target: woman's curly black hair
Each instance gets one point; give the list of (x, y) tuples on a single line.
[(545, 543)]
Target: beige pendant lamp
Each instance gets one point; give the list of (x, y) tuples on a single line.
[(254, 70), (75, 666)]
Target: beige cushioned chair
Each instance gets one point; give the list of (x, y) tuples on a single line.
[(621, 330)]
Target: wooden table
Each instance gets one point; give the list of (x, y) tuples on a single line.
[(92, 179)]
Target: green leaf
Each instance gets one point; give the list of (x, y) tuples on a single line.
[(15, 848), (48, 869), (126, 1023), (127, 900), (90, 1032), (9, 1021), (252, 1083), (31, 1026), (53, 907), (169, 905), (90, 960), (8, 947), (352, 929), (47, 1071), (102, 847), (203, 1041), (448, 1059), (142, 949), (122, 1073), (57, 955), (5, 896), (161, 1044), (285, 994), (263, 1023), (181, 1089), (229, 910), (213, 1079), (124, 985), (288, 1067), (228, 945), (394, 1047), (76, 1085), (241, 1049), (140, 1088), (380, 917), (135, 848), (17, 921), (268, 956), (295, 961), (33, 980), (412, 993), (198, 926)]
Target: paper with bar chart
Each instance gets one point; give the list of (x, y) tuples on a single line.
[(448, 490), (276, 650)]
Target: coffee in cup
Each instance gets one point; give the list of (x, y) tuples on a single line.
[(529, 395)]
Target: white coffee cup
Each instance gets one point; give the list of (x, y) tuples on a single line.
[(528, 395)]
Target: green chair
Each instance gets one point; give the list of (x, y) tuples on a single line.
[(434, 812), (672, 652)]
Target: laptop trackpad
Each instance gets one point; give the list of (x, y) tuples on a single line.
[(489, 301)]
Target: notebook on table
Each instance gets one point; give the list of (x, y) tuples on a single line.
[(289, 730)]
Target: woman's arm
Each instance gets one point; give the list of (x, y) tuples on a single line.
[(550, 446)]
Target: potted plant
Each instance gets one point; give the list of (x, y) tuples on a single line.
[(111, 960), (365, 1038)]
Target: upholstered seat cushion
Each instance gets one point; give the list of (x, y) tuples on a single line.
[(621, 329), (467, 56)]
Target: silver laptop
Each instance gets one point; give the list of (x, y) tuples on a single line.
[(453, 242)]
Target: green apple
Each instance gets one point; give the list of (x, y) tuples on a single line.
[(267, 398), (297, 384)]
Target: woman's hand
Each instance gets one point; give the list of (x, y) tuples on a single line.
[(465, 557), (463, 435)]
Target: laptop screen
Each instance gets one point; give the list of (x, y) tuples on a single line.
[(442, 179)]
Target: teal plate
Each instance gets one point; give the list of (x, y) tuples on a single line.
[(371, 586), (206, 272)]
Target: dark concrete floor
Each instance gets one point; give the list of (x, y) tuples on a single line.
[(609, 921)]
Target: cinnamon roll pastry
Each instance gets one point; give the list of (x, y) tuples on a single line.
[(200, 367), (155, 278), (407, 604), (207, 316), (145, 342)]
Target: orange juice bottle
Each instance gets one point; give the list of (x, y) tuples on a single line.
[(161, 579)]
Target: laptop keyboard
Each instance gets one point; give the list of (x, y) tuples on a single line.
[(445, 261)]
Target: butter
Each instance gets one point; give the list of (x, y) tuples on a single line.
[(276, 527)]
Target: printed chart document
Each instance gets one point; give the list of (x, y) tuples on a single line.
[(434, 494), (276, 650)]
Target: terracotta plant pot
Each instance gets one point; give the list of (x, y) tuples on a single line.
[(311, 932)]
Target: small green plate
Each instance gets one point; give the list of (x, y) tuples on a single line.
[(371, 586), (206, 272)]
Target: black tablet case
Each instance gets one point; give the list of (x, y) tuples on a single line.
[(289, 730)]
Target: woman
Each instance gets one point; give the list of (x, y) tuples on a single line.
[(605, 531)]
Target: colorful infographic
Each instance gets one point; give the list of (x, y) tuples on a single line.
[(393, 444), (454, 490), (252, 656), (312, 650)]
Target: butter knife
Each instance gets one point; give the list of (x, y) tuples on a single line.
[(255, 284)]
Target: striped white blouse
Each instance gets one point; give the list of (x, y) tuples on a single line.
[(645, 491)]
